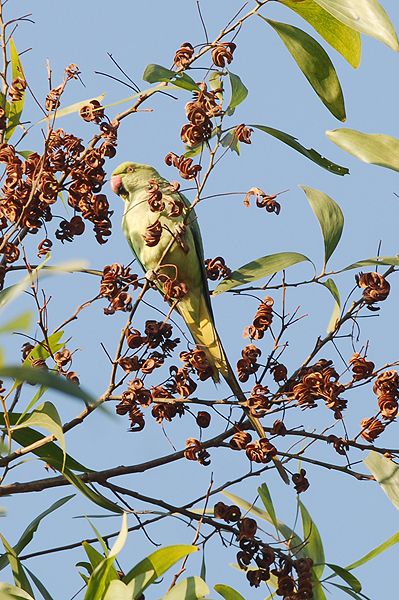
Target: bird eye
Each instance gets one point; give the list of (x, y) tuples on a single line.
[(130, 170)]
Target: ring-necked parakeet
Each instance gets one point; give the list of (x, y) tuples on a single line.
[(150, 233)]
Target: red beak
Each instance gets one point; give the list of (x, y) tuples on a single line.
[(116, 183)]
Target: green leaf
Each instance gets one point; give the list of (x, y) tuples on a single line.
[(314, 156), (238, 91), (347, 577), (29, 532), (188, 589), (293, 540), (11, 592), (14, 115), (47, 378), (227, 592), (330, 285), (375, 261), (230, 141), (86, 490), (99, 578), (46, 416), (160, 561), (315, 64), (42, 589), (349, 591), (314, 545), (21, 323), (118, 590), (49, 452), (330, 217), (25, 153), (386, 472), (154, 73), (365, 16), (341, 37), (216, 83), (373, 148), (264, 495), (96, 558), (318, 592), (68, 110), (20, 578), (375, 552), (98, 536), (258, 269)]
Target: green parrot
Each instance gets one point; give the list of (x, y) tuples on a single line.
[(178, 246)]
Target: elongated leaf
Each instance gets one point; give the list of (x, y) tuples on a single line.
[(188, 589), (98, 536), (99, 578), (160, 561), (29, 532), (394, 539), (49, 452), (311, 154), (47, 378), (314, 545), (293, 540), (139, 583), (349, 591), (365, 16), (375, 261), (96, 558), (154, 73), (227, 592), (315, 64), (264, 495), (341, 37), (20, 578), (238, 91), (347, 577), (318, 592), (46, 416), (330, 217), (68, 110), (11, 592), (118, 590), (386, 473), (330, 285), (16, 108), (258, 269), (21, 323), (87, 491), (42, 589), (373, 148)]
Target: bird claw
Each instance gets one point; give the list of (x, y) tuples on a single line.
[(179, 235), (151, 276)]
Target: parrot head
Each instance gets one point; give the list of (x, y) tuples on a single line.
[(129, 177)]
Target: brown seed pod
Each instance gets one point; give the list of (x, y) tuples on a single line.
[(300, 482), (153, 234), (203, 419), (362, 368), (183, 56), (223, 53), (240, 440), (216, 268), (243, 134)]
